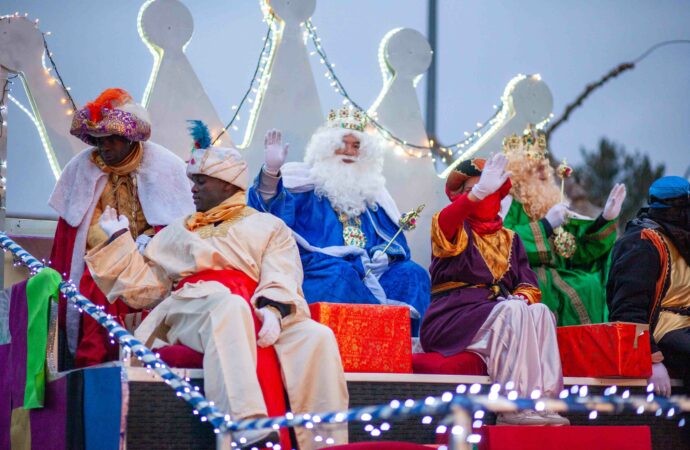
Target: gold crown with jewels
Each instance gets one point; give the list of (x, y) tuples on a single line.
[(532, 143), (350, 118)]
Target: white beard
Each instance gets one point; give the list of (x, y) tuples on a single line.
[(350, 188)]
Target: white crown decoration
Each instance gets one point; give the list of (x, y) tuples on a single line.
[(532, 143), (350, 118)]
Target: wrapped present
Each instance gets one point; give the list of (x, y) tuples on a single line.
[(615, 349), (371, 338)]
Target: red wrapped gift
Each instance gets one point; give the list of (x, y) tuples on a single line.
[(615, 349), (371, 338)]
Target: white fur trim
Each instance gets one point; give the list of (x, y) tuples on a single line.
[(164, 193)]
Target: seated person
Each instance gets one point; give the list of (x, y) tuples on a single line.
[(200, 266), (485, 297), (121, 169), (649, 281), (572, 286), (342, 216)]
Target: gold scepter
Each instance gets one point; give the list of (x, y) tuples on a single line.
[(564, 241), (407, 222)]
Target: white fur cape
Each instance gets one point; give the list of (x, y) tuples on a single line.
[(163, 188)]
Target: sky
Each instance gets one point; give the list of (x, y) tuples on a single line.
[(481, 45)]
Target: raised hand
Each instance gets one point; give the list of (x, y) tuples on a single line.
[(274, 152), (493, 176), (614, 203)]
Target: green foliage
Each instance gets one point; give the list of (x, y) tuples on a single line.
[(611, 164)]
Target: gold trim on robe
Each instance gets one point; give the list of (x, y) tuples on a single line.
[(442, 247), (496, 249)]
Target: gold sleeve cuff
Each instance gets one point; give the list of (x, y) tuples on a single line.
[(531, 293), (442, 247)]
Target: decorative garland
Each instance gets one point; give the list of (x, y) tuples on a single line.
[(259, 72), (182, 388), (427, 149), (465, 399)]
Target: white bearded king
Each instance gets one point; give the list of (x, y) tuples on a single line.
[(342, 216)]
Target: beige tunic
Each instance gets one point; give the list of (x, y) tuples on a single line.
[(205, 317)]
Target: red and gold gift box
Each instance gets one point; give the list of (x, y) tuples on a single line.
[(614, 349), (371, 338)]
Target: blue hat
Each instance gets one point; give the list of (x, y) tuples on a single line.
[(669, 191)]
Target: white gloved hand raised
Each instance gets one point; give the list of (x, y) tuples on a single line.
[(614, 203), (270, 330), (660, 379), (557, 215), (142, 241), (493, 176), (111, 223), (274, 152)]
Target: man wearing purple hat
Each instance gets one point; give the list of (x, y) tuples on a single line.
[(649, 281), (120, 170)]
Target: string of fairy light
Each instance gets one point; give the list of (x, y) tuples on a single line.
[(468, 399), (423, 150), (259, 82), (257, 78)]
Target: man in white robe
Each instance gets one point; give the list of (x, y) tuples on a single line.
[(254, 249)]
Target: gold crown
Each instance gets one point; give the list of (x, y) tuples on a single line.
[(532, 143), (350, 118)]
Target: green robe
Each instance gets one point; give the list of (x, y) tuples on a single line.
[(574, 288)]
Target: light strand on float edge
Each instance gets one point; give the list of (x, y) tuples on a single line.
[(182, 387), (467, 398)]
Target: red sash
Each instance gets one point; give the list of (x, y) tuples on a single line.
[(268, 366)]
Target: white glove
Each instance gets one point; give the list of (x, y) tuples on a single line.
[(557, 215), (378, 263), (142, 241), (614, 203), (270, 330), (111, 223), (493, 176), (274, 152), (660, 379)]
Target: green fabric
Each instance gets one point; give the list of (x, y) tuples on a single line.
[(39, 290), (575, 288)]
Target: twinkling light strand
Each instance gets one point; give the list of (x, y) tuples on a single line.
[(259, 73), (347, 100), (183, 388), (474, 403), (49, 54)]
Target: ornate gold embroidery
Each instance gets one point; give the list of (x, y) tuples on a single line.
[(221, 230), (442, 247), (574, 297), (540, 242), (352, 231), (495, 249)]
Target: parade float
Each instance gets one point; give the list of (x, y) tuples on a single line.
[(397, 392)]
